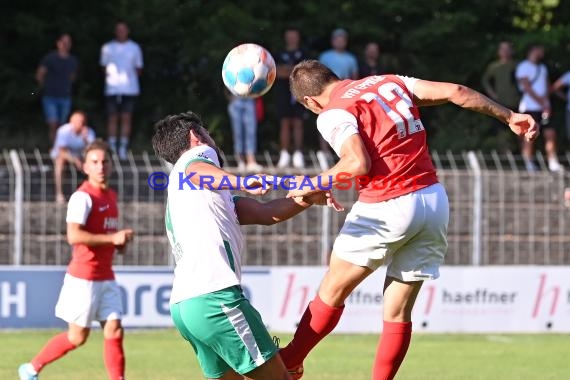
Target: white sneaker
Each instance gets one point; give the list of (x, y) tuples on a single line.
[(241, 166), (254, 167), (298, 160), (27, 372), (284, 159), (323, 161), (554, 165)]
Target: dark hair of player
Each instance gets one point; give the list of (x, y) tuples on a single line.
[(309, 78), (98, 144), (171, 136)]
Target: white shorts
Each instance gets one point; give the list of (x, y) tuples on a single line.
[(83, 301), (408, 234)]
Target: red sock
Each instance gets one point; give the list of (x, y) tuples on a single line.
[(392, 349), (317, 322), (54, 349), (115, 358)]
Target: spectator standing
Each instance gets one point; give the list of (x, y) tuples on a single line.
[(70, 141), (371, 63), (290, 113), (244, 129), (338, 59), (122, 62), (564, 81), (499, 79), (55, 75), (532, 77), (345, 66)]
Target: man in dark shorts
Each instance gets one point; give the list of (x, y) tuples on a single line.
[(55, 75), (122, 62), (289, 112)]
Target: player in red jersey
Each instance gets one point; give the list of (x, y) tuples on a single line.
[(401, 216), (89, 291)]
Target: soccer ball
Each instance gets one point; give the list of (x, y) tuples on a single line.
[(248, 71)]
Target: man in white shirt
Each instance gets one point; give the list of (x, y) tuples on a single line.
[(70, 140), (532, 77), (122, 62)]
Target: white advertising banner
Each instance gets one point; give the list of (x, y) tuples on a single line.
[(463, 299)]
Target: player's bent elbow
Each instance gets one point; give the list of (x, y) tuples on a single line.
[(73, 237), (356, 164), (361, 166), (458, 94), (71, 240), (457, 91), (366, 166)]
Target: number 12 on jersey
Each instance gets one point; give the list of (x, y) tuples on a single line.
[(405, 122)]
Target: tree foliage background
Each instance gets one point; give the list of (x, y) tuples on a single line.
[(185, 41)]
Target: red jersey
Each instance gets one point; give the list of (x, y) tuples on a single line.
[(380, 109), (96, 210)]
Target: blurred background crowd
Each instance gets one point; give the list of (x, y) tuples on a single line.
[(72, 71)]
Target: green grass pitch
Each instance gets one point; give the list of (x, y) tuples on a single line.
[(163, 354)]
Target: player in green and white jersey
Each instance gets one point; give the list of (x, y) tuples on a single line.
[(203, 226)]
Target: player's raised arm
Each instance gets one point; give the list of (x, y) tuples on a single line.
[(251, 211), (427, 93), (209, 176)]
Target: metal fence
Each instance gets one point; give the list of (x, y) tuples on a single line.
[(500, 213)]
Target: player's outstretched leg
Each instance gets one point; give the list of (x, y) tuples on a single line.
[(399, 299), (113, 349), (54, 349), (317, 322), (323, 313)]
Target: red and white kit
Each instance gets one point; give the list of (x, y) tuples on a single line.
[(404, 224), (89, 291)]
